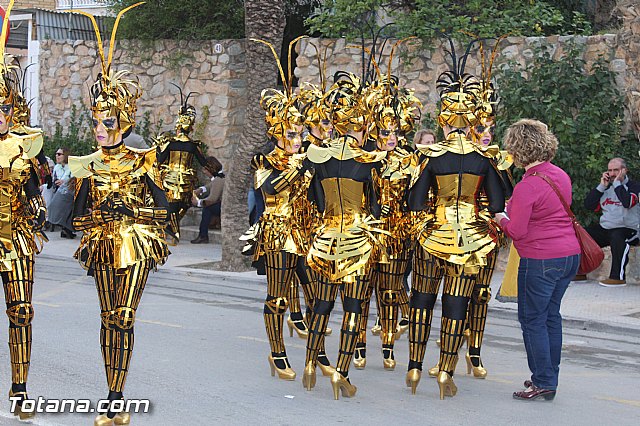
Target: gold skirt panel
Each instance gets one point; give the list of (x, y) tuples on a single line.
[(122, 245), (24, 243), (178, 183), (344, 255)]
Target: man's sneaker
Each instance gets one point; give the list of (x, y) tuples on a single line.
[(610, 282), (580, 277)]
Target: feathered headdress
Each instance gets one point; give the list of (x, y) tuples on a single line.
[(280, 106), (459, 91), (113, 92)]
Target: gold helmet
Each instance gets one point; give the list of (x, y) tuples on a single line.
[(488, 99), (284, 120), (346, 104), (187, 114), (113, 92), (311, 98), (459, 93)]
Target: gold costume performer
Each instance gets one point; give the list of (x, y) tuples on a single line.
[(341, 251), (22, 214), (394, 110), (458, 239), (122, 209), (175, 159), (482, 135), (319, 129), (281, 234)]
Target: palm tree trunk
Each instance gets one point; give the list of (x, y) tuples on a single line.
[(264, 19)]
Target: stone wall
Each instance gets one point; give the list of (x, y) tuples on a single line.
[(629, 36), (429, 61), (68, 68)]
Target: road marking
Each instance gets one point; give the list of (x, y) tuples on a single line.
[(51, 305), (165, 324), (631, 402), (258, 339)]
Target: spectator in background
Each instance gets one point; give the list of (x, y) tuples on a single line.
[(47, 190), (424, 137), (61, 206), (209, 198), (616, 196)]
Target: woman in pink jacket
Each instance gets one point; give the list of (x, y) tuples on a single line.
[(543, 234)]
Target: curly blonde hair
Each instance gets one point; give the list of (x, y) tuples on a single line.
[(530, 141)]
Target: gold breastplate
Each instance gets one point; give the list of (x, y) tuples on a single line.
[(179, 161), (344, 197)]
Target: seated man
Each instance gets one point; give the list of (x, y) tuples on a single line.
[(617, 198), (209, 197)]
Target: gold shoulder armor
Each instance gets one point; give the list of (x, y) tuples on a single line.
[(81, 167), (31, 142), (146, 159), (259, 165), (318, 154), (433, 150)]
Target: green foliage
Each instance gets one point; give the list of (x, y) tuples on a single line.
[(77, 136), (182, 20), (429, 18), (146, 128), (583, 109)]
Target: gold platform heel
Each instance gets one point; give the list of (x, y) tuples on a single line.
[(360, 358), (309, 376), (22, 415), (479, 372), (122, 418), (467, 336), (377, 328), (328, 331), (327, 370), (403, 326), (338, 383), (446, 385), (412, 379), (102, 420), (283, 373), (387, 359), (433, 371), (299, 327)]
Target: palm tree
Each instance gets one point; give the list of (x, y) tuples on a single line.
[(264, 19)]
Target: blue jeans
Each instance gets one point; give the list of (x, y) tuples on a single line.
[(541, 285), (208, 213)]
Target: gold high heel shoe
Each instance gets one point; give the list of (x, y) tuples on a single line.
[(412, 379), (446, 385), (403, 326), (22, 415), (467, 336), (327, 370), (309, 376), (359, 361), (299, 326), (387, 359), (479, 372), (433, 371), (283, 373), (102, 420), (122, 418), (328, 331), (377, 328), (339, 382)]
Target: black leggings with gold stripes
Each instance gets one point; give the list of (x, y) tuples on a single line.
[(18, 286), (119, 293), (428, 271)]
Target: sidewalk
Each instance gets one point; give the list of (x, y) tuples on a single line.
[(586, 305)]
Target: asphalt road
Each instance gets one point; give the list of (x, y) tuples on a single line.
[(201, 359)]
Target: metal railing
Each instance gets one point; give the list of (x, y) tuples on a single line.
[(74, 4)]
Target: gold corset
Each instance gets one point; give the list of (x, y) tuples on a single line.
[(16, 235), (344, 199), (341, 249), (120, 173), (178, 176), (457, 233)]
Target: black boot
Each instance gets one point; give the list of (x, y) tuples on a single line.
[(201, 240)]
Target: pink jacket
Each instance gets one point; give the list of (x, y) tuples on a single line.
[(538, 224)]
